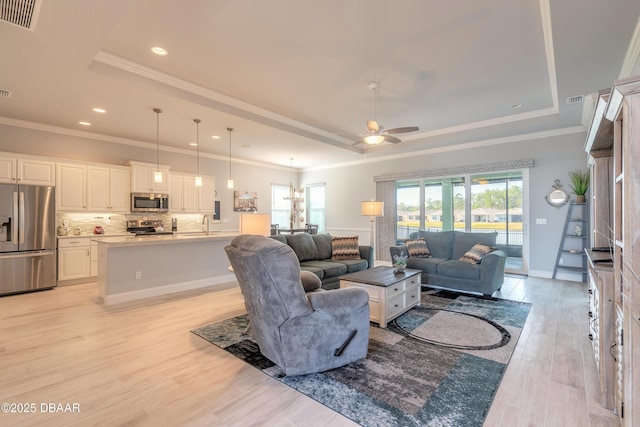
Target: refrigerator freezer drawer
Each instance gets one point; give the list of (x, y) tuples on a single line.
[(27, 271)]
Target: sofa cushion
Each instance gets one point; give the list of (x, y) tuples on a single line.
[(439, 242), (303, 245), (315, 270), (417, 248), (323, 243), (345, 248), (459, 269), (310, 281), (476, 253), (330, 268), (428, 265), (354, 265), (462, 242), (280, 238)]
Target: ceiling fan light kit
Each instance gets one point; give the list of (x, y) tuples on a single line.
[(375, 133)]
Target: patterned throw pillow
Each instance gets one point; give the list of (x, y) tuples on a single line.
[(476, 253), (417, 248), (344, 248)]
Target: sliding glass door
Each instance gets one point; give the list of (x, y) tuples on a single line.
[(489, 202)]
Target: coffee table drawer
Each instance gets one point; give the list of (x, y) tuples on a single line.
[(395, 306)]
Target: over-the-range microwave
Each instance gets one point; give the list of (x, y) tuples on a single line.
[(149, 202)]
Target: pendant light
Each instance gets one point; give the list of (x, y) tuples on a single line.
[(198, 177), (230, 181), (157, 175)]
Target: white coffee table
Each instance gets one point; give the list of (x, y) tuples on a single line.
[(390, 294)]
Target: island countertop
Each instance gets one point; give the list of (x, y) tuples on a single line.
[(163, 239)]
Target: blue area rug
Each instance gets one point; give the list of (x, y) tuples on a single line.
[(436, 365)]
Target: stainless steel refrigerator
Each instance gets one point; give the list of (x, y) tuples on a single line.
[(27, 238)]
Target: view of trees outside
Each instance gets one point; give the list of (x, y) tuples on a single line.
[(496, 205)]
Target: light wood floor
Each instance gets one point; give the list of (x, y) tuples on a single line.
[(138, 364)]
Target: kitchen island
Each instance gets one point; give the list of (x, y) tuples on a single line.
[(132, 268)]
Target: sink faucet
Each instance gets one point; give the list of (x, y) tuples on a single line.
[(205, 219)]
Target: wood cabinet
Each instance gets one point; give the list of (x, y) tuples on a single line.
[(142, 178), (92, 187), (602, 323), (185, 197), (623, 110), (108, 189), (26, 170), (71, 194), (74, 258)]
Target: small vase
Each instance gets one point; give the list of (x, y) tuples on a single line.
[(399, 268)]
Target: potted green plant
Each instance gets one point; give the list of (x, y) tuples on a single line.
[(579, 184)]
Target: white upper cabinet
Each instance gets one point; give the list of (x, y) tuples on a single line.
[(185, 197), (25, 170), (142, 178), (108, 189), (71, 193)]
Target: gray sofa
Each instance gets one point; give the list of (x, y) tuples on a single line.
[(300, 332), (444, 269), (314, 254)]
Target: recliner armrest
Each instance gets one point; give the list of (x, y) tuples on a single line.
[(339, 301)]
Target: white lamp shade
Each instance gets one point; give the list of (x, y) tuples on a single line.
[(253, 223), (198, 181), (373, 139), (157, 176), (230, 184), (372, 208)]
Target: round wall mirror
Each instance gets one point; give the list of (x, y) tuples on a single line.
[(557, 197)]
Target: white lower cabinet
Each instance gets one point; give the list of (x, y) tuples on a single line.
[(77, 259)]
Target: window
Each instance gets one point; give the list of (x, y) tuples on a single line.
[(315, 205), (279, 206)]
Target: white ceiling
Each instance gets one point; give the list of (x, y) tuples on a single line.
[(291, 76)]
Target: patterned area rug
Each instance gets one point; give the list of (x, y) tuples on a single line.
[(436, 365)]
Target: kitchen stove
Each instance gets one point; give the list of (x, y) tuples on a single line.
[(146, 227)]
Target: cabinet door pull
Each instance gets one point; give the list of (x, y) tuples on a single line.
[(611, 351)]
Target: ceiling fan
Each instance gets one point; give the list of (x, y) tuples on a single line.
[(375, 133)]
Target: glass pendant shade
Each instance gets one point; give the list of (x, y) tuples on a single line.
[(198, 181), (230, 184), (374, 139), (157, 175)]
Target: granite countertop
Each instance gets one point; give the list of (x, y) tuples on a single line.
[(129, 240)]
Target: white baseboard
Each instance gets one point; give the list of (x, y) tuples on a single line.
[(562, 275), (168, 289)]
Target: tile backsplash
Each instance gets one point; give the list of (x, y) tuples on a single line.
[(117, 223)]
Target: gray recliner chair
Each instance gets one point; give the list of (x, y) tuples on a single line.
[(300, 332)]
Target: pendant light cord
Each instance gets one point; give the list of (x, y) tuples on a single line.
[(197, 145), (157, 111)]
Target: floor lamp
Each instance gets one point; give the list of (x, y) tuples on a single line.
[(372, 209)]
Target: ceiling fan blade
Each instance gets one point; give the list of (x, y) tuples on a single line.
[(403, 130), (373, 126), (391, 139)]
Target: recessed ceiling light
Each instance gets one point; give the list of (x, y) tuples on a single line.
[(84, 123), (159, 51), (215, 136), (99, 110), (193, 144), (515, 106)]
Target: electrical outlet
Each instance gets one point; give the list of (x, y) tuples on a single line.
[(541, 221), (138, 275)]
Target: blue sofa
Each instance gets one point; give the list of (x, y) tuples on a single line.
[(444, 269), (314, 254)]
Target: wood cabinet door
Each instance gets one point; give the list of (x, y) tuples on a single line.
[(97, 188), (74, 262), (36, 172), (119, 190), (71, 189)]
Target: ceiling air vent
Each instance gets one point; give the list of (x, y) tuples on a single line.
[(575, 99), (5, 93), (20, 12)]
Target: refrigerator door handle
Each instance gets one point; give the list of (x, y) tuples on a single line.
[(27, 254), (21, 220), (14, 235)]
